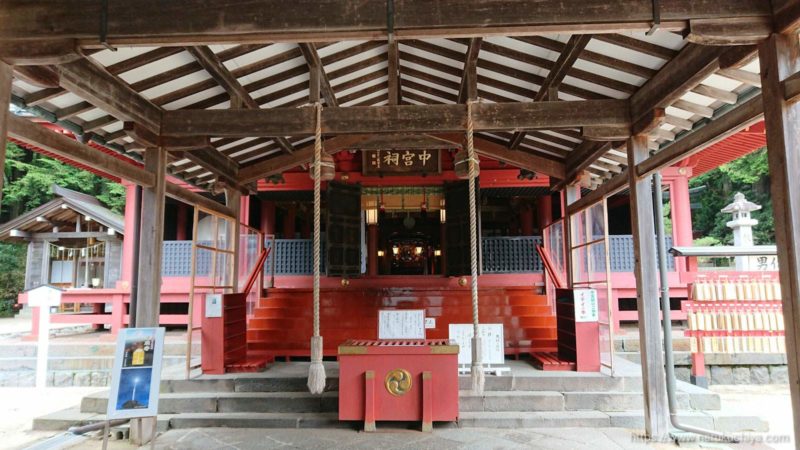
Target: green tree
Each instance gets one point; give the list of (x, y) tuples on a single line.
[(748, 175), (12, 276), (29, 177)]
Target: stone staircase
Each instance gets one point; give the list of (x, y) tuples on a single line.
[(75, 361), (527, 398)]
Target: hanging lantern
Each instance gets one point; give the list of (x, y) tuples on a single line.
[(327, 168), (461, 165)]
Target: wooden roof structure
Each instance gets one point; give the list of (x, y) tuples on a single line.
[(555, 95), (63, 212)]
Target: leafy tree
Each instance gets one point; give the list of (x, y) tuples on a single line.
[(29, 177), (12, 276), (748, 175)]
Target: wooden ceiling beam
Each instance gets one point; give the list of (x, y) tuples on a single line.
[(684, 72), (282, 163), (393, 71), (556, 75), (516, 158), (61, 145), (93, 83), (152, 22), (214, 66), (469, 74), (314, 64), (579, 159), (395, 119)]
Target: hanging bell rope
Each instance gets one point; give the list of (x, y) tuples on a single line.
[(316, 371), (477, 366)]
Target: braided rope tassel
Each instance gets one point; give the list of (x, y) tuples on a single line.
[(478, 378), (316, 371)]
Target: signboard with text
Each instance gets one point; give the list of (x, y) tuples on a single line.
[(401, 162)]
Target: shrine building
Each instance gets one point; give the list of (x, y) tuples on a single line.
[(317, 164)]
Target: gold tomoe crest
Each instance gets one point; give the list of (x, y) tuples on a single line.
[(398, 382)]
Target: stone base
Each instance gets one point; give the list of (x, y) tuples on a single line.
[(699, 381)]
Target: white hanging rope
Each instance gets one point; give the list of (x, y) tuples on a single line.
[(316, 371), (477, 366)]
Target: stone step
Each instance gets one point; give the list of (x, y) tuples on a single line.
[(229, 402), (713, 420), (497, 401), (720, 421), (73, 362), (82, 349)]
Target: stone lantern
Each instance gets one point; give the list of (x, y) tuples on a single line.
[(742, 225)]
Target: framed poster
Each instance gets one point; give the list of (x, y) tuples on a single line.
[(401, 324), (136, 376)]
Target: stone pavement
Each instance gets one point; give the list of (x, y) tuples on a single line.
[(441, 439)]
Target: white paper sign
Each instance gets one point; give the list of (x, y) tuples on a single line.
[(401, 324), (585, 305), (136, 377), (213, 305), (430, 323), (491, 340)]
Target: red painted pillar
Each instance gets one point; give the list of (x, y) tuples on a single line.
[(681, 211), (289, 222), (305, 229), (544, 211), (180, 222), (372, 250), (526, 220), (267, 225), (244, 209), (127, 243)]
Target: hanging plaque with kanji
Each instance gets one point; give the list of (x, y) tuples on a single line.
[(401, 162)]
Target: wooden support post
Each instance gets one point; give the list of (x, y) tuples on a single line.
[(233, 200), (780, 58), (151, 240), (571, 194), (6, 76), (656, 418), (369, 400), (427, 402)]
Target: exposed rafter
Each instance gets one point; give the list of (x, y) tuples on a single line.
[(315, 64), (469, 77), (549, 88)]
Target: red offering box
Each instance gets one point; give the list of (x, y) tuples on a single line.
[(399, 380)]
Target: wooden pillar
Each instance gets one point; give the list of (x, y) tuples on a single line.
[(180, 222), (681, 211), (526, 220), (6, 76), (289, 224), (233, 200), (244, 210), (656, 415), (151, 240), (571, 195), (267, 225), (544, 211), (372, 250), (780, 58)]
